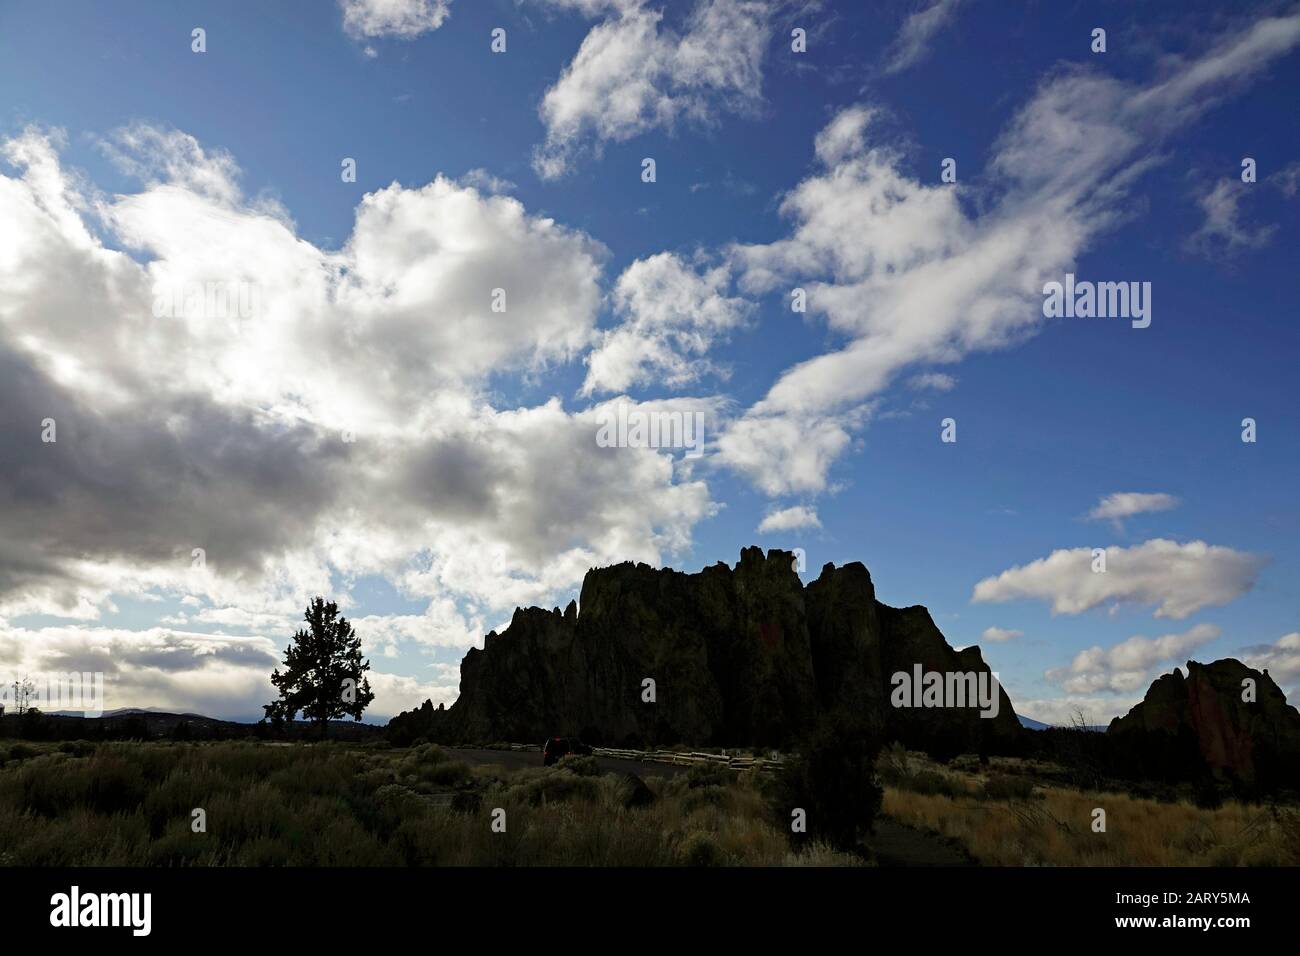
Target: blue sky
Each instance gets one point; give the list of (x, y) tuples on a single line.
[(132, 163)]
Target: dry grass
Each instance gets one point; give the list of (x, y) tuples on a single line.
[(1054, 827)]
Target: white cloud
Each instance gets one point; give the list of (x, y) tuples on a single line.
[(406, 19), (1125, 504), (671, 316), (240, 449), (913, 41), (1223, 232), (936, 381), (185, 671), (632, 74), (1129, 665), (1179, 579), (904, 274), (158, 156), (1066, 711), (155, 667), (395, 693), (485, 181), (1287, 179), (1281, 659), (999, 634), (788, 454), (789, 519)]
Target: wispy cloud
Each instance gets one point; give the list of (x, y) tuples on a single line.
[(1223, 231), (917, 33), (924, 278), (1126, 504)]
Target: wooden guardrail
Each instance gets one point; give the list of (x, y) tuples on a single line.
[(680, 759), (676, 757)]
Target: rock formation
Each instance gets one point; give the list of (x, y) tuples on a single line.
[(1205, 724), (743, 656)]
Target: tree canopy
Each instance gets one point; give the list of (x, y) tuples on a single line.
[(324, 673)]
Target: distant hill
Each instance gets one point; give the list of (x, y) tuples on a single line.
[(1030, 724), (148, 723)]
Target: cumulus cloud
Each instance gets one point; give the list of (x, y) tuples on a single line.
[(925, 279), (324, 417), (1128, 666), (633, 74), (1125, 504), (671, 316), (1179, 579), (918, 31), (788, 454), (999, 634), (1281, 659), (789, 519), (406, 19)]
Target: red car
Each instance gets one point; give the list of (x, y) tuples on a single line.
[(557, 747)]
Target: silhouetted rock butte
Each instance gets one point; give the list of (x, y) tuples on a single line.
[(1201, 722), (739, 656)]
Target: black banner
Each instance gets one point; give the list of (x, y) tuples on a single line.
[(349, 906)]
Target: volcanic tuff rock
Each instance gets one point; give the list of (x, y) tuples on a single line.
[(1201, 721), (739, 656)]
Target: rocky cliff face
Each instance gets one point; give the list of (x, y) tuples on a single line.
[(1204, 721), (738, 656)]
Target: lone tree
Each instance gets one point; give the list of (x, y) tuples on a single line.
[(324, 675)]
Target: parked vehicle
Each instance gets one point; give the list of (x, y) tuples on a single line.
[(557, 747)]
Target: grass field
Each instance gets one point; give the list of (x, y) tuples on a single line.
[(134, 804), (1004, 815)]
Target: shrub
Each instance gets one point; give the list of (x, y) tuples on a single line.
[(1005, 786), (391, 805), (582, 765), (700, 798), (553, 785), (893, 764), (708, 775), (1207, 795), (451, 774), (700, 849), (832, 778), (933, 783)]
